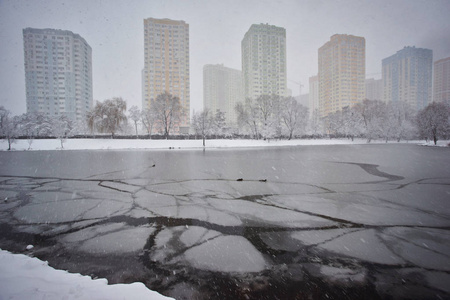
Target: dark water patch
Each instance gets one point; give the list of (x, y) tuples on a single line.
[(373, 170), (14, 240)]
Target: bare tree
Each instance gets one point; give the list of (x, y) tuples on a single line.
[(148, 120), (108, 116), (202, 124), (168, 112), (433, 121), (135, 115), (8, 126)]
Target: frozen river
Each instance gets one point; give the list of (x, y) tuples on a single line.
[(348, 221)]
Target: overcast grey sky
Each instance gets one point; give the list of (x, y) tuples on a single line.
[(114, 30)]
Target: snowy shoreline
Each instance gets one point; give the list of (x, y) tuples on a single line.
[(136, 144), (24, 277)]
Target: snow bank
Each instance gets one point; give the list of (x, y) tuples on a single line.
[(121, 144), (23, 277)]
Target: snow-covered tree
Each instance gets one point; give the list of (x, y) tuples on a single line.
[(293, 115), (351, 122), (168, 112), (108, 116), (135, 115), (62, 126), (247, 117), (315, 124), (434, 121), (261, 116), (268, 108), (4, 116), (80, 127), (219, 124), (403, 120), (372, 114)]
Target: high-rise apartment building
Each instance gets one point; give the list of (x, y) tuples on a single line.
[(441, 90), (407, 77), (374, 89), (166, 64), (58, 73), (222, 89), (342, 69), (264, 61), (313, 98)]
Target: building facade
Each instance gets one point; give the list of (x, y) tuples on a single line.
[(374, 89), (166, 64), (222, 90), (342, 68), (313, 98), (58, 73), (264, 61), (441, 90), (407, 77)]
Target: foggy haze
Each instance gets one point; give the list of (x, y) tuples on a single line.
[(114, 30)]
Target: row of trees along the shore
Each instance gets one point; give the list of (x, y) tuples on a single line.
[(266, 117)]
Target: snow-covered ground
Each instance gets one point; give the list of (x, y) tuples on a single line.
[(117, 144), (23, 277)]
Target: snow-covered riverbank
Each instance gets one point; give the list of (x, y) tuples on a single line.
[(23, 277), (122, 144)]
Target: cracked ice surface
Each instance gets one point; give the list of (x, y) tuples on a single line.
[(336, 213)]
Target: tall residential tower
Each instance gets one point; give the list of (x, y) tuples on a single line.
[(441, 90), (222, 90), (264, 61), (58, 73), (374, 89), (407, 77), (166, 64), (342, 72)]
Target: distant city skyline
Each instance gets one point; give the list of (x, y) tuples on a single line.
[(114, 31)]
